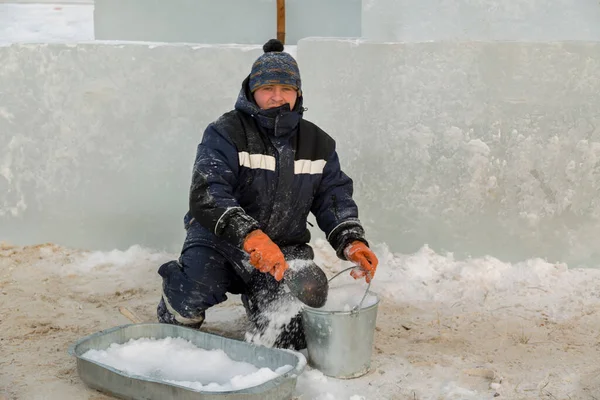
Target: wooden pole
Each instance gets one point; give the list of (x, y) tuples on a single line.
[(281, 21)]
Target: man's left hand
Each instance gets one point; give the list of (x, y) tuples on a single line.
[(361, 255)]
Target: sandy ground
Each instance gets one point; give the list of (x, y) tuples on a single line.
[(51, 296)]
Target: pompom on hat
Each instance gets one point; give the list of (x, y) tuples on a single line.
[(275, 67)]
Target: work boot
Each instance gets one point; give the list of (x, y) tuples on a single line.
[(166, 317)]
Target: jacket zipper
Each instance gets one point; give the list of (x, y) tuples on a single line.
[(277, 168)]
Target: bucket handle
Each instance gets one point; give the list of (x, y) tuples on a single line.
[(359, 306)]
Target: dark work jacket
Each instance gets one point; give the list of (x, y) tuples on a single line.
[(268, 169)]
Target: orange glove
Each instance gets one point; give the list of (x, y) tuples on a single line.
[(265, 255), (361, 255)]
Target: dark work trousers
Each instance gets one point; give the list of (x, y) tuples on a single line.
[(202, 277)]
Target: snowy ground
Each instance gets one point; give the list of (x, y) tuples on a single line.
[(446, 329)]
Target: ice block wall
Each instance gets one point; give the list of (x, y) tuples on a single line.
[(472, 20), (97, 142), (476, 148)]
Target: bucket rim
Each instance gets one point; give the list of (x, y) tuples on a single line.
[(312, 310)]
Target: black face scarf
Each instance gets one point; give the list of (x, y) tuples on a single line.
[(278, 121)]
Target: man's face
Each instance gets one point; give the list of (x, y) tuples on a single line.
[(271, 96)]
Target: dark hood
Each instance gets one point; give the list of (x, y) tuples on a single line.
[(282, 118)]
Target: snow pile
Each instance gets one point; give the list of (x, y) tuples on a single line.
[(483, 284), (178, 361), (117, 259), (312, 384)]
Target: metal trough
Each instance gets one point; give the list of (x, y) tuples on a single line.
[(125, 386)]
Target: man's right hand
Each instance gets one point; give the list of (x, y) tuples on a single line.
[(265, 255)]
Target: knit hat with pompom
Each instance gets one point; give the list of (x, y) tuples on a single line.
[(275, 67)]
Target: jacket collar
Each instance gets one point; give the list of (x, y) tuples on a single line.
[(278, 121)]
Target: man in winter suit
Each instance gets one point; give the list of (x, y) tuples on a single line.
[(259, 171)]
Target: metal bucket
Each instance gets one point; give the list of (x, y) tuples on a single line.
[(340, 343)]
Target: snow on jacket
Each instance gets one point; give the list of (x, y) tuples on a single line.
[(268, 169)]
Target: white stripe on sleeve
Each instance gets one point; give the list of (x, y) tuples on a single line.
[(309, 167), (256, 161)]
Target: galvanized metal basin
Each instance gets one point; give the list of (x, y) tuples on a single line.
[(125, 386)]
